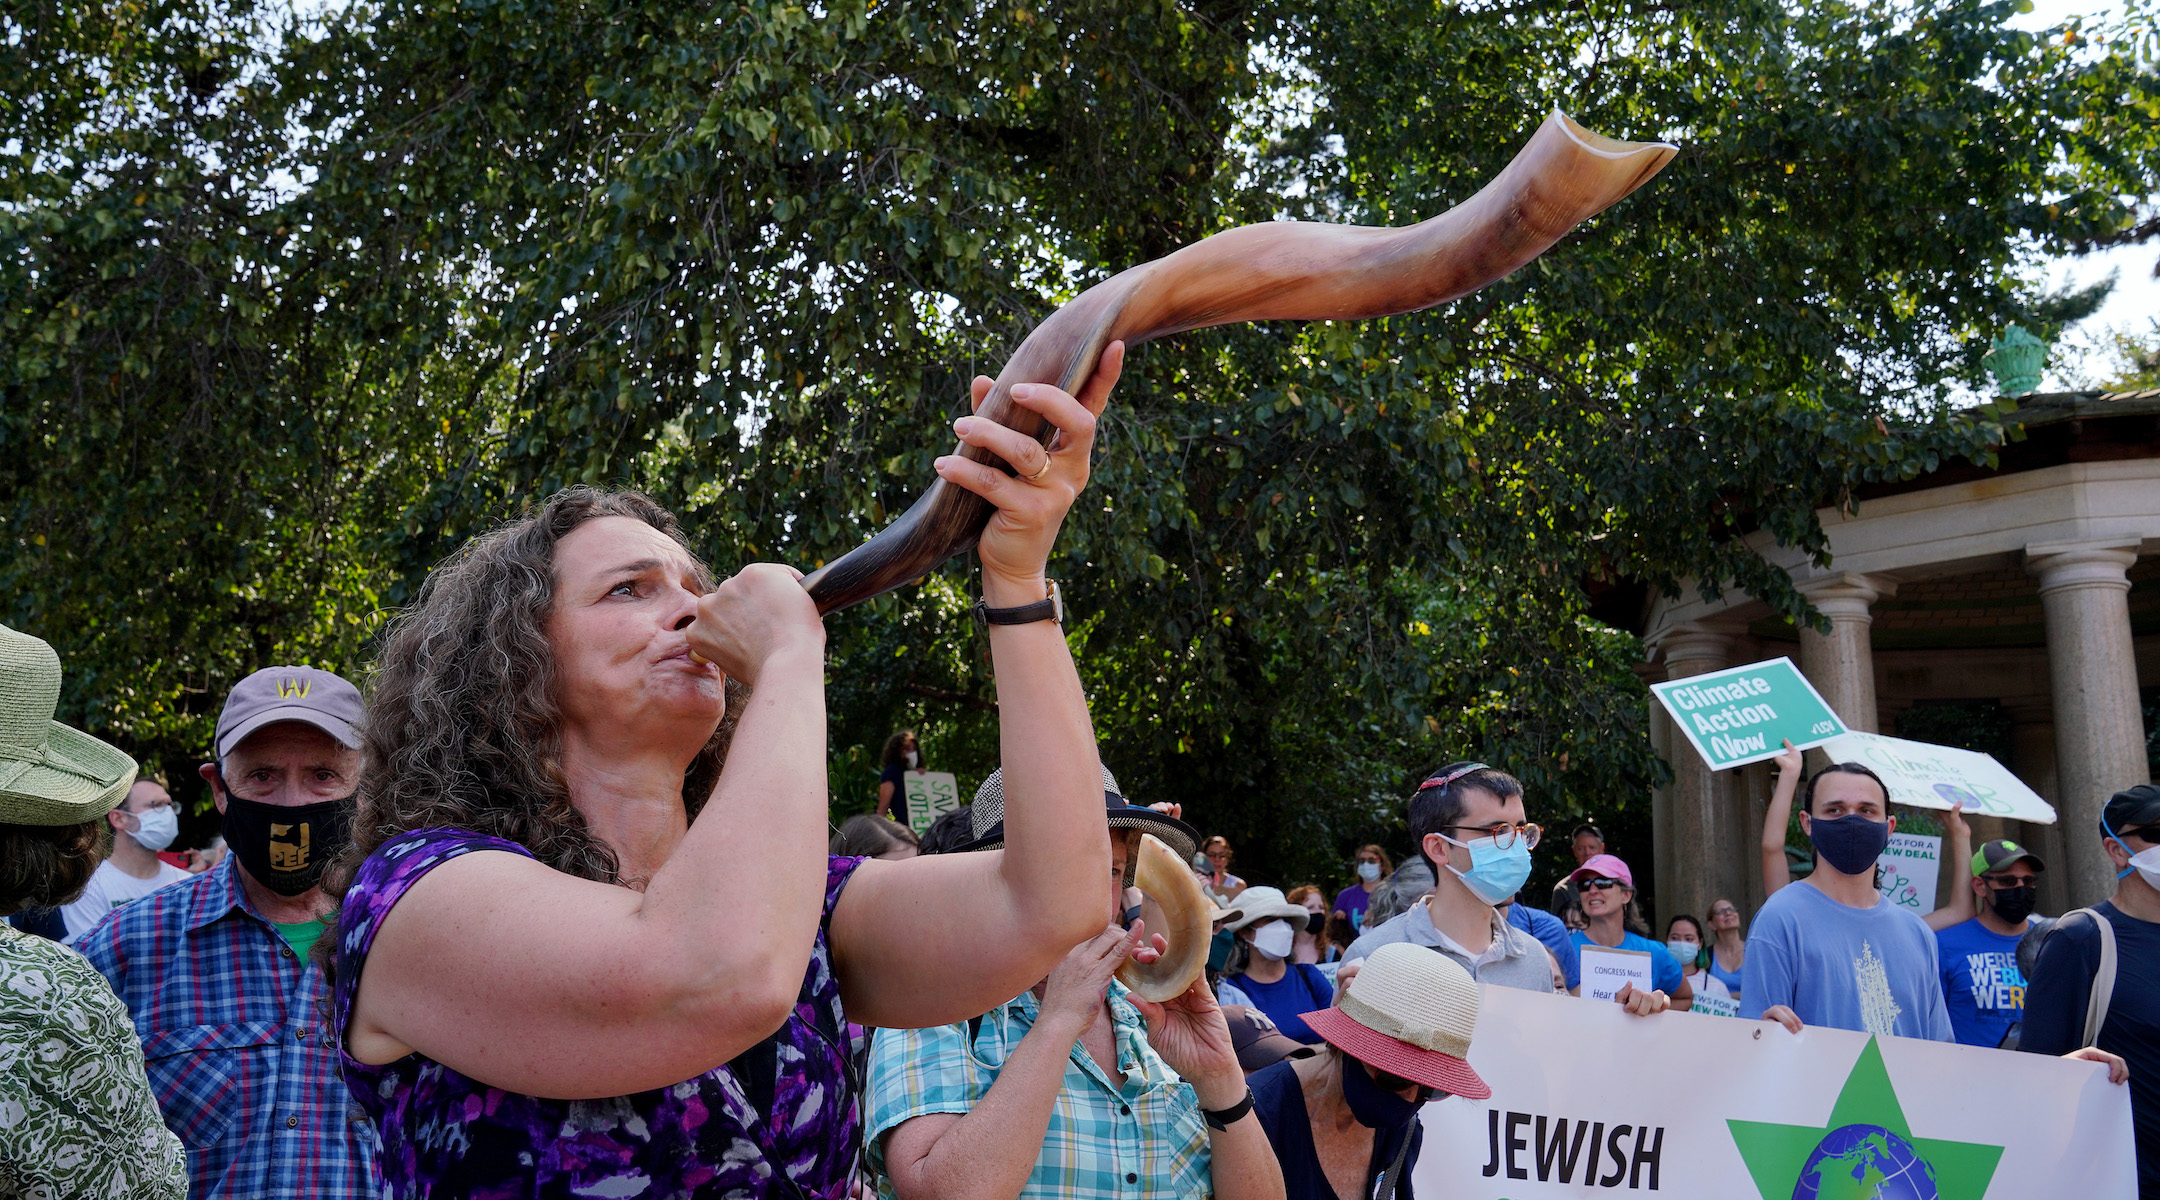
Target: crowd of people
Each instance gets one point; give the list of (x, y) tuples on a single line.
[(554, 909)]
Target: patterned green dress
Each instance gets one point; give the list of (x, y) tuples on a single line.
[(76, 1115)]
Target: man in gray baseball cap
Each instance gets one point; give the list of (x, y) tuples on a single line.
[(217, 972)]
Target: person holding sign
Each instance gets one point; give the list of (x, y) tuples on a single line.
[(1608, 901), (903, 753), (1777, 872), (1981, 981)]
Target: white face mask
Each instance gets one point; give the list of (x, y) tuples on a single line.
[(2146, 863), (1274, 939), (1684, 953), (156, 828), (1368, 870), (912, 757)]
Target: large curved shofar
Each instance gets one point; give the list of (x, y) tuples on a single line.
[(1275, 271)]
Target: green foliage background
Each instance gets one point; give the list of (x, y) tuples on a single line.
[(292, 301)]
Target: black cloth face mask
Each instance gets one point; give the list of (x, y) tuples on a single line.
[(1372, 1105), (286, 848), (2014, 904)]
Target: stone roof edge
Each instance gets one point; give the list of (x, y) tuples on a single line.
[(2046, 408)]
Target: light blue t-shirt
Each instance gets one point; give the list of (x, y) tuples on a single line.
[(1664, 968), (1870, 970)]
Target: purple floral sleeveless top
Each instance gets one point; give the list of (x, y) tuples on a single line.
[(779, 1121)]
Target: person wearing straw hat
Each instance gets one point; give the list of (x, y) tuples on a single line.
[(76, 1114), (217, 972), (1266, 929), (1345, 1123), (1076, 1088)]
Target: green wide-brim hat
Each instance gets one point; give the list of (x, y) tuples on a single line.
[(50, 774)]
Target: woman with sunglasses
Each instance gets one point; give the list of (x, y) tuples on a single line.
[(1344, 1123), (1608, 901)]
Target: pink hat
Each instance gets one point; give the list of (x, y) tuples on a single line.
[(1410, 1012), (1605, 865)]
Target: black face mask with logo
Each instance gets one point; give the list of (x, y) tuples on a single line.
[(286, 847)]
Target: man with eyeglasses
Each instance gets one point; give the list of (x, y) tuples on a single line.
[(2058, 1005), (1981, 982), (1469, 823)]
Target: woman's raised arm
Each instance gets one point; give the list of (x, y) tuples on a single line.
[(944, 937)]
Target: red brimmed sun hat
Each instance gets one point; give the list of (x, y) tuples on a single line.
[(1409, 1012)]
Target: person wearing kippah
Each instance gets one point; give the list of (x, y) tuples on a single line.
[(2059, 1006), (77, 1119)]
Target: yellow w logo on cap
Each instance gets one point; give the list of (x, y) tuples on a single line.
[(289, 689)]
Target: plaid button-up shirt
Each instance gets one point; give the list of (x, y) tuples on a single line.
[(1140, 1140), (234, 1037)]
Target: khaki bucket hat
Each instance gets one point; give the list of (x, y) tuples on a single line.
[(49, 774)]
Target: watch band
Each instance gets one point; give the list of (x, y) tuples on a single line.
[(1051, 608), (1226, 1117)]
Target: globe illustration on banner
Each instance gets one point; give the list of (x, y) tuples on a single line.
[(1865, 1162)]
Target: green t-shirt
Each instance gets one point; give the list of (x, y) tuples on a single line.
[(302, 935)]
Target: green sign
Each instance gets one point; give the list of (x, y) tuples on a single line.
[(930, 795), (1746, 714)]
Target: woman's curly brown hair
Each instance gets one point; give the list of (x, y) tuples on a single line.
[(463, 727)]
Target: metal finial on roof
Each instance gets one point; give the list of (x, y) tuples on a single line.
[(2015, 361)]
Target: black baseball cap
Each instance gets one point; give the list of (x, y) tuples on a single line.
[(2130, 809), (1998, 855)]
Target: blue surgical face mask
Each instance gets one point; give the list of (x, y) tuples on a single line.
[(1495, 874), (1368, 871), (1685, 953)]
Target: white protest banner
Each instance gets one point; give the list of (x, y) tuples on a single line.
[(1587, 1098), (930, 795), (1746, 714), (1930, 776), (1606, 970), (1907, 870)]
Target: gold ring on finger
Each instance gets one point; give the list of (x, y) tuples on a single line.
[(699, 659), (1039, 474)]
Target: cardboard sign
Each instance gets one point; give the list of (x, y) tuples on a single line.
[(1606, 970), (1746, 714), (1907, 870), (1756, 1113), (930, 795), (1929, 776)]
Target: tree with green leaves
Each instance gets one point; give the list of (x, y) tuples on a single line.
[(295, 303)]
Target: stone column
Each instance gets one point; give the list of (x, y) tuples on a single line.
[(2099, 728), (2032, 758), (1701, 815), (1841, 663)]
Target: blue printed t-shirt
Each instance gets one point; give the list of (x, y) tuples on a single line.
[(1870, 970), (1552, 931), (1302, 989), (1982, 986), (1665, 972), (1351, 902), (2055, 1014)]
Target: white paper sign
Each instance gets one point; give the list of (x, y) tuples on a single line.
[(1930, 776), (930, 795), (1751, 1112), (1907, 870), (1606, 970), (1715, 1006)]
